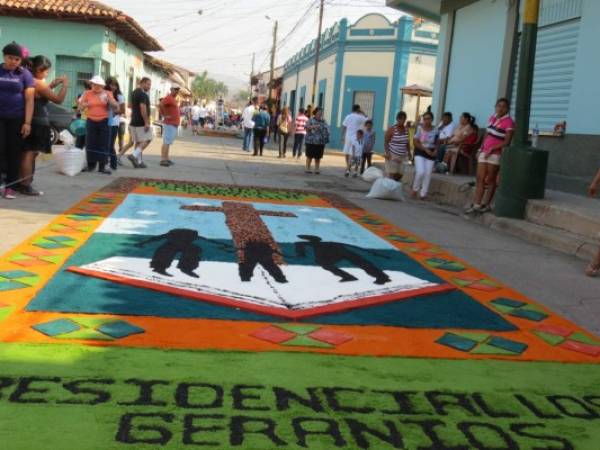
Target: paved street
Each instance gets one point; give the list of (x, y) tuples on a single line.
[(551, 278)]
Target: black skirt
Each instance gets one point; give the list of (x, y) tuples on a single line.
[(39, 140), (315, 151)]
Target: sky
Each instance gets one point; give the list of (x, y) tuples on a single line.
[(223, 37)]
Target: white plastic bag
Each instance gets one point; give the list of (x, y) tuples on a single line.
[(67, 138), (386, 189), (372, 173), (70, 161)]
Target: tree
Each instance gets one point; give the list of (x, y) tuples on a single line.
[(205, 87)]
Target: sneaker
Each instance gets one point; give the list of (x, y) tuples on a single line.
[(142, 165), (104, 171), (473, 209), (9, 194), (165, 163), (485, 208), (171, 163), (347, 174), (30, 191), (133, 161)]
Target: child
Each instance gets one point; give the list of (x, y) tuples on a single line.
[(369, 145), (355, 159)]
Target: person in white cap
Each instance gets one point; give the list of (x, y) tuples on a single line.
[(96, 103), (169, 111)]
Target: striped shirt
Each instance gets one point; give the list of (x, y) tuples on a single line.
[(398, 146), (496, 132), (301, 124)]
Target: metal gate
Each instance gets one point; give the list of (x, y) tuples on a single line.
[(366, 100), (78, 70)]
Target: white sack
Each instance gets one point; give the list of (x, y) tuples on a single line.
[(386, 189), (372, 173)]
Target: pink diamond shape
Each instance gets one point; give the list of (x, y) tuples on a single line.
[(273, 334), (330, 336), (554, 329), (581, 348)]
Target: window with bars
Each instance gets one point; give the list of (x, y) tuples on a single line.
[(366, 101)]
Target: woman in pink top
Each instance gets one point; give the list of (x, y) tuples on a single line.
[(498, 135)]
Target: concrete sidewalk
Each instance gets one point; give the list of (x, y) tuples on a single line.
[(552, 278)]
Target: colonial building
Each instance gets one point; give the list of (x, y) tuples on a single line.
[(365, 63), (82, 39), (479, 47)]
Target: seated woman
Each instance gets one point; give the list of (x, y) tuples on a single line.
[(465, 133)]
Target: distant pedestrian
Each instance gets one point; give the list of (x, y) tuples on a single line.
[(396, 148), (96, 103), (357, 146), (39, 141), (284, 125), (498, 135), (248, 123), (299, 133), (352, 123), (17, 93), (114, 119), (425, 142), (275, 114), (368, 147), (169, 110), (309, 111), (140, 127), (593, 269), (195, 118), (262, 122), (317, 137), (203, 115)]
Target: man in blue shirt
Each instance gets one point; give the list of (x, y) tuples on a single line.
[(261, 125)]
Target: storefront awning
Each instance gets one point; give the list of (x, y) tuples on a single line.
[(428, 9)]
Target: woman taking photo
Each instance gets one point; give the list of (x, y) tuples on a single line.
[(498, 135), (284, 125), (317, 137), (40, 138), (114, 119), (96, 103), (16, 111), (425, 143)]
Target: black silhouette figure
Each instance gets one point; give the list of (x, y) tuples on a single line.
[(180, 240), (258, 252), (328, 254)]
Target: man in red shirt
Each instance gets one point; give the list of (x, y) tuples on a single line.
[(169, 110)]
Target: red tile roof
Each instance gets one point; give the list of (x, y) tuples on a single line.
[(85, 11)]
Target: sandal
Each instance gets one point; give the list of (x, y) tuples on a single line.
[(592, 270)]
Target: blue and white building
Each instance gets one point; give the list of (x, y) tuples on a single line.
[(365, 63), (477, 63)]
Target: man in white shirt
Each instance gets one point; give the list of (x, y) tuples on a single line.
[(445, 131), (248, 123), (352, 123), (202, 115), (195, 118)]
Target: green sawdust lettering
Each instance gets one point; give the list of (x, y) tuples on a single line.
[(311, 417)]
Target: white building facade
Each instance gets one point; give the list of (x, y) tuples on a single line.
[(366, 63)]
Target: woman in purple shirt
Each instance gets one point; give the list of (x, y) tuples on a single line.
[(16, 111)]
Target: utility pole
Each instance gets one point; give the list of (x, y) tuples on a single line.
[(523, 170), (273, 62), (317, 54), (252, 75)]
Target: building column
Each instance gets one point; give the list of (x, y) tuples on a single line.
[(445, 55), (401, 62), (335, 125), (507, 68)]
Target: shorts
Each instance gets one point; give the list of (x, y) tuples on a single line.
[(315, 151), (139, 134), (394, 167), (169, 134), (493, 159), (195, 122), (39, 140), (348, 147)]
